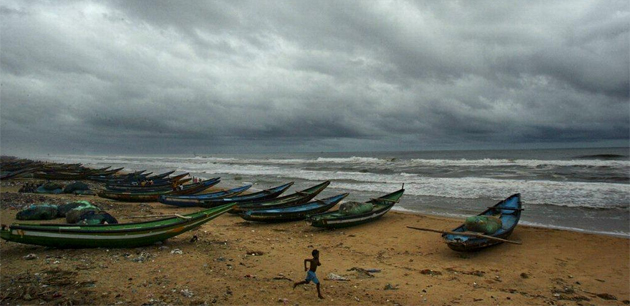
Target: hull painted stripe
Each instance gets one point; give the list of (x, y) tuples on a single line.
[(99, 237), (357, 219)]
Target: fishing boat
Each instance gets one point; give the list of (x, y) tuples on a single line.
[(61, 175), (336, 219), (114, 179), (160, 176), (126, 235), (131, 184), (131, 196), (16, 173), (106, 172), (293, 213), (148, 187), (194, 200), (266, 194), (508, 210), (297, 198)]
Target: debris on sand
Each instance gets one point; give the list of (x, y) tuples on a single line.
[(30, 256)]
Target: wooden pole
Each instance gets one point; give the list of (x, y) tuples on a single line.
[(158, 216), (466, 234)]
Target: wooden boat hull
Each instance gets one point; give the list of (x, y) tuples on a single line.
[(61, 176), (335, 219), (511, 209), (136, 184), (195, 200), (161, 176), (153, 196), (129, 235), (266, 194), (297, 198), (150, 188), (293, 213), (14, 174)]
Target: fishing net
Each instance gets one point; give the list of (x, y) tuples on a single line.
[(38, 212), (65, 208), (76, 186), (355, 208), (52, 186), (42, 189), (74, 215), (93, 217), (483, 224)]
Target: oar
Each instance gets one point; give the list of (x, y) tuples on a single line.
[(384, 200), (466, 234), (156, 216)]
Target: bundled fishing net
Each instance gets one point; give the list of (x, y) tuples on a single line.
[(38, 212), (76, 186), (62, 210), (74, 215), (50, 187), (355, 208), (93, 217), (483, 224)]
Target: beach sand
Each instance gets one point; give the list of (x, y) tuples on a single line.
[(237, 262)]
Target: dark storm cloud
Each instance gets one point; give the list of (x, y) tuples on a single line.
[(144, 76)]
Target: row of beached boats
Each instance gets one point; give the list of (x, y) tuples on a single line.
[(263, 206)]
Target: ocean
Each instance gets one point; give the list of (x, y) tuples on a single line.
[(584, 190)]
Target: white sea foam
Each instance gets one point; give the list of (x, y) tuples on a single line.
[(561, 193), (354, 160), (572, 194)]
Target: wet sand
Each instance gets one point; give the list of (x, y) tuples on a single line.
[(237, 262)]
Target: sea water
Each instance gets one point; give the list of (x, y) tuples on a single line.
[(576, 189)]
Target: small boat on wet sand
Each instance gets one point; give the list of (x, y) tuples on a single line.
[(337, 219), (293, 213), (508, 210)]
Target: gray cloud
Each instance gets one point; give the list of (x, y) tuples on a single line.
[(139, 77)]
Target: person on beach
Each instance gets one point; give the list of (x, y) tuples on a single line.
[(310, 275)]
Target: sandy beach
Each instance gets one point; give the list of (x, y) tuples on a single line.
[(234, 262)]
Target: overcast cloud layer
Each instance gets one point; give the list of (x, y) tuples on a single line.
[(219, 76)]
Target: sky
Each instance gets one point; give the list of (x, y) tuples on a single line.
[(166, 77)]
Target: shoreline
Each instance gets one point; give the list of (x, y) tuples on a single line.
[(521, 223), (551, 267), (588, 196)]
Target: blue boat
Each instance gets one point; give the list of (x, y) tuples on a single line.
[(293, 213), (508, 210), (266, 194), (297, 198), (195, 200)]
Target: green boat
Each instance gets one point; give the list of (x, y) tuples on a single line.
[(128, 235), (336, 219)]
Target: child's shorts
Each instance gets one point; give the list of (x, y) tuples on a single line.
[(310, 276)]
